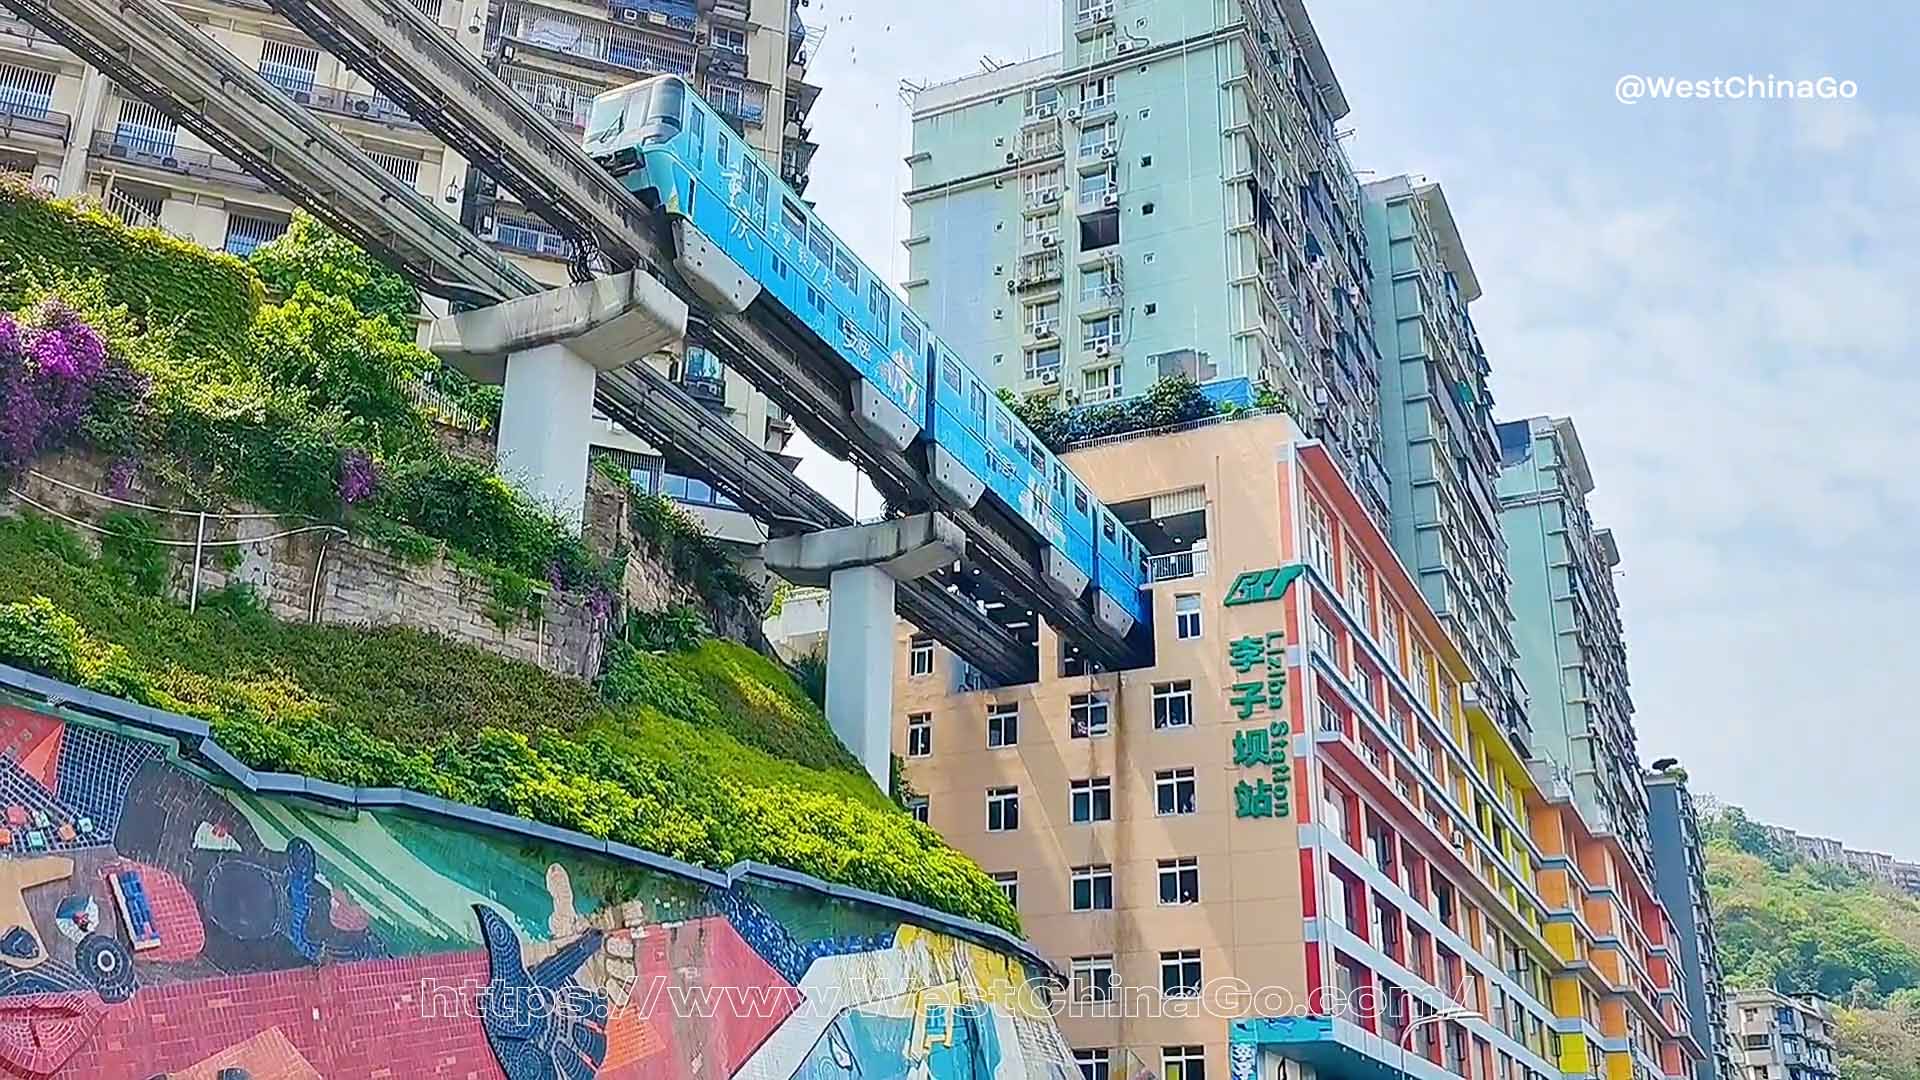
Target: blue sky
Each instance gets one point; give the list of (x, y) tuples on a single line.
[(1722, 294)]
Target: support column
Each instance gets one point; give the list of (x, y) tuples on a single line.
[(861, 565), (548, 349), (537, 450), (86, 117), (860, 666)]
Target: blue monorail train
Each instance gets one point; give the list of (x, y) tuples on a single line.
[(673, 150)]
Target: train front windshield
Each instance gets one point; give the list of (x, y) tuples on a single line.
[(648, 114)]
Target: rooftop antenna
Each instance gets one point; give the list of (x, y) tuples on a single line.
[(989, 64)]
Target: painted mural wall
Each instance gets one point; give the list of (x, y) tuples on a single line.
[(159, 920)]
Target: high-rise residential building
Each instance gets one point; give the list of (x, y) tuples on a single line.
[(1680, 873), (1437, 432), (1783, 1036), (1167, 195), (1292, 839), (1567, 629), (64, 124)]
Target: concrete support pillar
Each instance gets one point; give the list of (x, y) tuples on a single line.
[(86, 119), (861, 566), (860, 665), (538, 449), (548, 349)]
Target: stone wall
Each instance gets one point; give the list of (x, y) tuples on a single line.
[(306, 572), (167, 921)]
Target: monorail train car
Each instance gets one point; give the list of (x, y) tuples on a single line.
[(749, 237)]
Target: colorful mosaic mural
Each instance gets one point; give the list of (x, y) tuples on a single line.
[(158, 920)]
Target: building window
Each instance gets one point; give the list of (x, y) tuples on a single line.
[(730, 38), (1319, 538), (1323, 640), (1092, 978), (1097, 93), (1186, 616), (1357, 595), (1173, 792), (920, 656), (1093, 888), (1095, 139), (1094, 1064), (917, 806), (1003, 809), (1180, 973), (920, 735), (1092, 800), (1100, 334), (1009, 883), (1173, 704), (1003, 724), (1043, 362), (1088, 715), (1180, 881), (1101, 384), (1390, 635), (1183, 1063), (1362, 680)]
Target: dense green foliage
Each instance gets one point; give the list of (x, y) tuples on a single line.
[(712, 755), (1801, 926), (310, 255), (310, 411), (206, 299), (1173, 399)]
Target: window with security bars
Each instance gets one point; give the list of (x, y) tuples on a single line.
[(143, 129), (245, 232), (404, 169), (289, 67), (25, 91)]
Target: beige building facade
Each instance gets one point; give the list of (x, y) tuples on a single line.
[(1298, 844)]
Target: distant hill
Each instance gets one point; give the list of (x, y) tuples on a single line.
[(1803, 926)]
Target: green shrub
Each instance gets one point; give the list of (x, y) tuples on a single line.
[(129, 549), (206, 298), (672, 629), (310, 255)]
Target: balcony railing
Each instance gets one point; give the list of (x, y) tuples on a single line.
[(156, 153), (33, 121), (1177, 564), (374, 107), (530, 239)]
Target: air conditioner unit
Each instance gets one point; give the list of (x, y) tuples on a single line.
[(1124, 45), (1073, 112), (1109, 152), (1112, 198), (1051, 195), (629, 15), (1050, 377), (363, 106), (1013, 285), (657, 18), (1102, 349), (1013, 157), (1045, 112), (1049, 240)]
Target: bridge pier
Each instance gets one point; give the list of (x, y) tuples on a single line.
[(861, 566), (548, 349)]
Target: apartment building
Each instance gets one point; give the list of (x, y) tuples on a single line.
[(1295, 846), (66, 125), (1567, 630), (1680, 872), (1897, 872), (1783, 1036), (1167, 195), (1437, 431)]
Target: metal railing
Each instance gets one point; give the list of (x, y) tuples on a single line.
[(1178, 564), (32, 121), (156, 154)]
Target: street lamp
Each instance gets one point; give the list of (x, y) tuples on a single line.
[(1432, 1018)]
